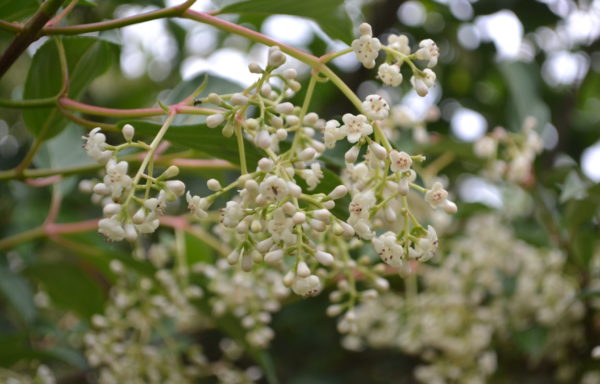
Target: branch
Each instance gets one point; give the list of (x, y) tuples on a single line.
[(118, 23), (30, 33)]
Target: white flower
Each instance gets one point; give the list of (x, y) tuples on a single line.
[(425, 247), (485, 147), (95, 146), (332, 133), (437, 196), (274, 188), (422, 83), (366, 47), (197, 205), (280, 227), (306, 286), (389, 74), (399, 43), (117, 179), (400, 161), (388, 249), (376, 108), (232, 214), (428, 50), (111, 228), (148, 223), (361, 203), (355, 127), (312, 176)]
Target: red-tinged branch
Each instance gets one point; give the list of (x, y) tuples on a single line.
[(29, 34)]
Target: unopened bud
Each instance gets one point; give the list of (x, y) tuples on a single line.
[(128, 132), (213, 185)]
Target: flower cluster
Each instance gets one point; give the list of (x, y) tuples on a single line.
[(398, 50), (43, 375), (128, 207), (492, 287), (251, 298), (510, 155), (132, 338)]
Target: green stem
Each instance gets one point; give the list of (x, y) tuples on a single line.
[(153, 146), (333, 55), (22, 237), (32, 103), (242, 151)]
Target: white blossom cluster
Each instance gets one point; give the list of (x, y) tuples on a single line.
[(250, 298), (510, 155), (489, 289), (43, 375), (398, 51), (130, 209), (276, 219), (135, 339)]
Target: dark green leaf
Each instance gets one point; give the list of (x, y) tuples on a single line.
[(69, 287), (532, 340), (87, 58), (11, 10), (18, 294), (330, 14)]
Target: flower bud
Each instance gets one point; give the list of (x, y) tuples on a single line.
[(307, 154), (338, 192), (281, 134), (233, 257), (299, 218), (213, 185), (215, 120), (265, 164), (215, 99), (351, 155), (276, 57), (324, 258), (172, 171), (263, 139), (176, 186), (284, 108), (378, 150), (255, 68), (274, 257), (111, 209), (128, 132), (290, 73), (302, 270), (239, 99)]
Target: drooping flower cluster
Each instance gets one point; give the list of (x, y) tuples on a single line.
[(128, 207), (367, 48), (510, 155), (132, 339), (492, 288)]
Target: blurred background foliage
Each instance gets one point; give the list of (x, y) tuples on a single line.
[(501, 61)]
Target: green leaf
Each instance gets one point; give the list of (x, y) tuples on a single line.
[(87, 58), (329, 14), (69, 287), (204, 139), (532, 340), (63, 151), (574, 188), (18, 294), (524, 83), (11, 10)]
